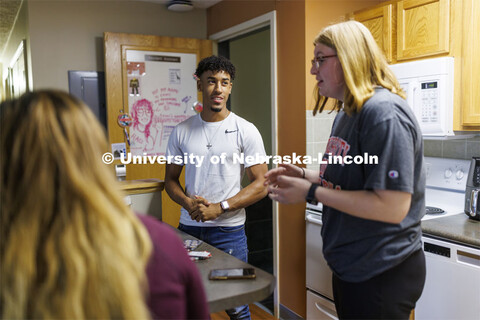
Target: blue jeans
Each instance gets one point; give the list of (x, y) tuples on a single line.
[(231, 240)]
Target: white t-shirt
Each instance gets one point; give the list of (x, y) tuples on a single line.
[(215, 181)]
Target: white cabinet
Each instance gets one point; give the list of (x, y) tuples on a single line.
[(146, 203), (144, 196)]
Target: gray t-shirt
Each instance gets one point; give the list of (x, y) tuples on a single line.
[(358, 249)]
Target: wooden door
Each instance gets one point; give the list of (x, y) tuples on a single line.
[(423, 28), (471, 65), (117, 90), (379, 21)]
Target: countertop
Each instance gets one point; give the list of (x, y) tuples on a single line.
[(141, 186), (458, 228), (225, 294)]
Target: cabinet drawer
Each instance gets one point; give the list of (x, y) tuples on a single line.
[(320, 308)]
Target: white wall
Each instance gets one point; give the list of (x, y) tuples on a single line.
[(68, 35)]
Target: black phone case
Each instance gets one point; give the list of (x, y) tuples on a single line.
[(218, 277)]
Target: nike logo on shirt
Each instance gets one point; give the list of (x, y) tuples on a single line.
[(230, 131)]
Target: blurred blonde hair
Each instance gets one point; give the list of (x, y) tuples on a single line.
[(364, 65), (70, 247)]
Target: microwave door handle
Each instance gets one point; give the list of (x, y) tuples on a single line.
[(415, 100), (408, 87)]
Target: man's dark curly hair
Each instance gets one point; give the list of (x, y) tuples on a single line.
[(216, 64)]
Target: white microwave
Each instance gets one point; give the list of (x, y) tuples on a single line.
[(429, 88)]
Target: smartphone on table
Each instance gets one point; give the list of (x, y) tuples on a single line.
[(234, 273)]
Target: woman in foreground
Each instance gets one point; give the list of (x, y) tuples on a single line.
[(69, 246)]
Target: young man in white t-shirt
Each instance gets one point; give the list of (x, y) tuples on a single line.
[(217, 148)]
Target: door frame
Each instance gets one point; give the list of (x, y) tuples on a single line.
[(267, 19)]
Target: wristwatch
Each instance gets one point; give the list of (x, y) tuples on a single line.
[(224, 205), (311, 194)]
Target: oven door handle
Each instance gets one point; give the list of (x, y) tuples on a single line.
[(311, 218), (325, 311)]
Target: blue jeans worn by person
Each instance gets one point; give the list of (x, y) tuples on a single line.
[(231, 240)]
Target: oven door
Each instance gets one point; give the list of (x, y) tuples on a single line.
[(318, 273)]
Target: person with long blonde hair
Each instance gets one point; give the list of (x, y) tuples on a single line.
[(70, 248), (371, 208)]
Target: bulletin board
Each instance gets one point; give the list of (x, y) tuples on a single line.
[(161, 93), (118, 92)]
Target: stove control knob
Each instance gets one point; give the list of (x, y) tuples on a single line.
[(459, 174), (448, 173)]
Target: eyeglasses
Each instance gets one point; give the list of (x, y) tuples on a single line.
[(142, 111), (318, 61)]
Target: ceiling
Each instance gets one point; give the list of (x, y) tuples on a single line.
[(8, 13), (9, 10)]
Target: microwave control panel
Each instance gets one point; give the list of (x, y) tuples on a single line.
[(429, 102), (429, 86)]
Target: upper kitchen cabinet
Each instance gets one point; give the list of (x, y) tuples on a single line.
[(418, 29), (380, 22), (409, 29), (470, 66), (423, 28)]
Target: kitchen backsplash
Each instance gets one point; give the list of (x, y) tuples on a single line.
[(457, 149), (318, 131)]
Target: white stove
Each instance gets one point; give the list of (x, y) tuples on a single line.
[(445, 186), (452, 284), (445, 189)]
